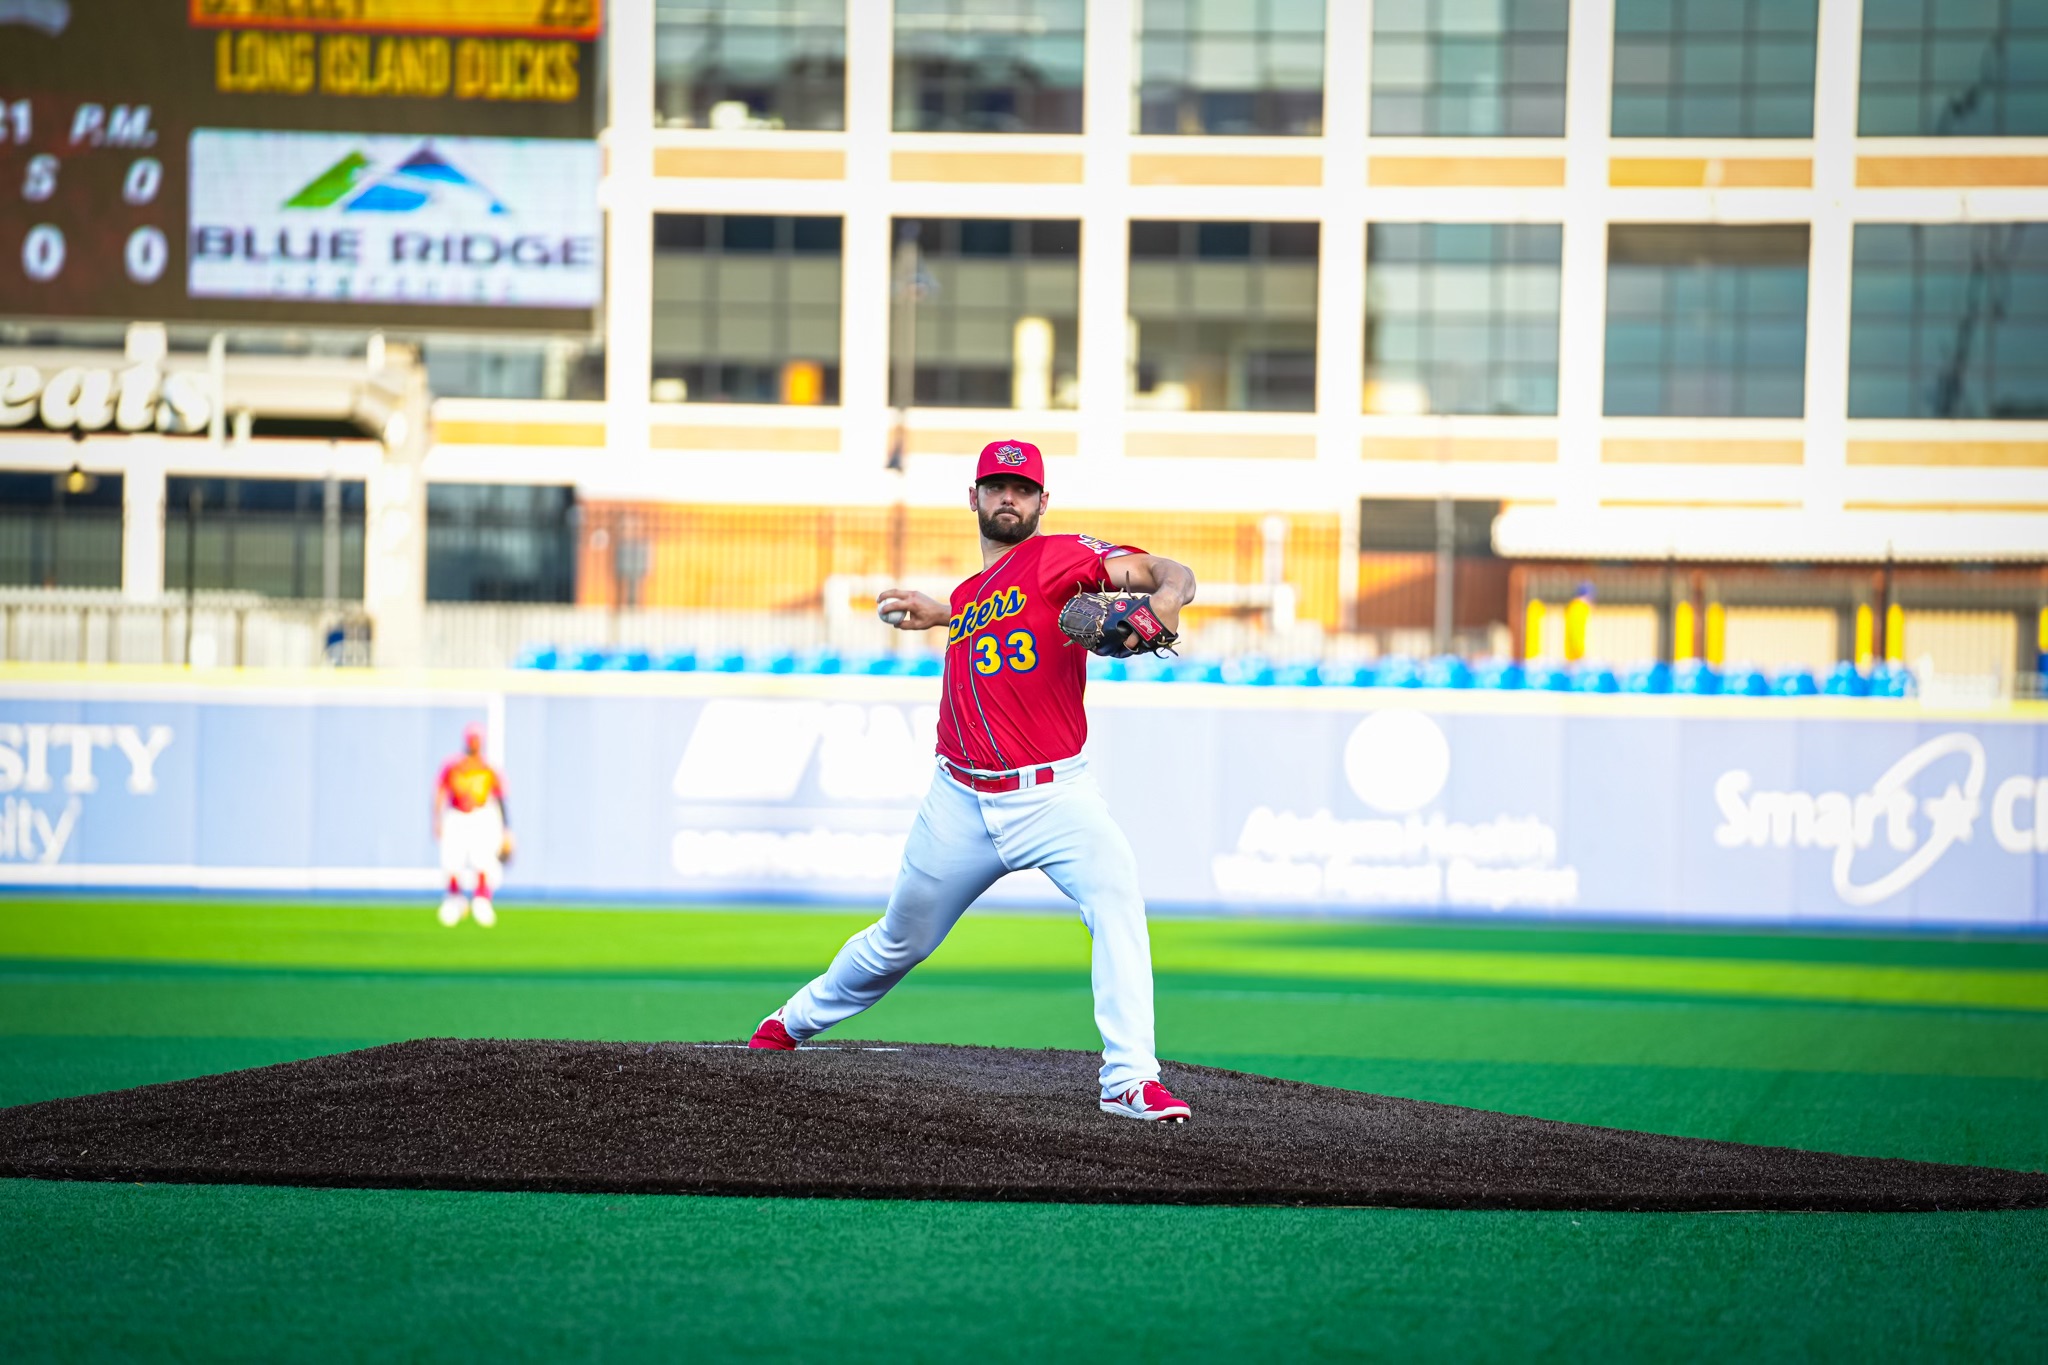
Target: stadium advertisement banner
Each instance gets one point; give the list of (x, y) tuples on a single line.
[(475, 221), (709, 789)]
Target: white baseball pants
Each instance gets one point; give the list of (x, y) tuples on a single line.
[(470, 840), (962, 842)]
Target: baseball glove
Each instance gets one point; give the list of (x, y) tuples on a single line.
[(1115, 626)]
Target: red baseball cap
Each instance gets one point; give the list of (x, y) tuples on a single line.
[(1020, 458)]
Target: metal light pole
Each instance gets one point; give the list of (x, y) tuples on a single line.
[(908, 268), (1446, 573), (330, 535), (191, 563)]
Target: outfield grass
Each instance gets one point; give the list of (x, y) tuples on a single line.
[(1917, 1046)]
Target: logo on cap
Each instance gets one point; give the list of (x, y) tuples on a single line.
[(1009, 455)]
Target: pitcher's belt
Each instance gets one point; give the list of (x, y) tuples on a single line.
[(1000, 782)]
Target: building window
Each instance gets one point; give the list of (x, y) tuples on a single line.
[(750, 64), (60, 530), (996, 308), (746, 309), (1401, 525), (1456, 68), (989, 66), (1226, 67), (277, 537), (514, 367), (1950, 321), (1224, 316), (1714, 68), (1977, 69), (500, 543), (1462, 317), (1706, 321)]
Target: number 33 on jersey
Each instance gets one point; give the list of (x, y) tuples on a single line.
[(1018, 650)]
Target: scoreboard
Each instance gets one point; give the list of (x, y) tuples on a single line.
[(345, 162), (530, 18)]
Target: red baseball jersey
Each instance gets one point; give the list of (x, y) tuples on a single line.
[(469, 782), (1013, 682)]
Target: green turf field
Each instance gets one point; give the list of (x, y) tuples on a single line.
[(1927, 1047)]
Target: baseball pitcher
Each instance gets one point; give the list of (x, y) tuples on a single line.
[(470, 825), (1012, 790)]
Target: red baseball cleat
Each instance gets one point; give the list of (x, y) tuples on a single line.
[(773, 1035), (1150, 1101)]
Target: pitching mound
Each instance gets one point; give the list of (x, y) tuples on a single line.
[(916, 1122)]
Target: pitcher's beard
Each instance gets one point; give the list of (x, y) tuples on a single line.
[(1008, 532)]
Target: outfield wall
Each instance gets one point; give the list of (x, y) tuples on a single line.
[(715, 787)]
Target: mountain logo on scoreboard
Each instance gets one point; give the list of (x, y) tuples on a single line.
[(355, 185)]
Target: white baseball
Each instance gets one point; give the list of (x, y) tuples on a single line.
[(894, 618)]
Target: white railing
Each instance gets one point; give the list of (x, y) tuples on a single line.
[(215, 630)]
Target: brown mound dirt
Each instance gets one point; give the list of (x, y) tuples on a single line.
[(908, 1122)]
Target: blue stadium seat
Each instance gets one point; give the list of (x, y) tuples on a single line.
[(1397, 670), (546, 658), (1748, 682), (1846, 680), (1796, 682), (1447, 670), (1696, 679), (1655, 679), (1251, 671), (1148, 668), (1597, 678), (1502, 676), (590, 660), (1888, 680), (1690, 677)]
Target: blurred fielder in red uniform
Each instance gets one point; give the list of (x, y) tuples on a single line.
[(470, 825)]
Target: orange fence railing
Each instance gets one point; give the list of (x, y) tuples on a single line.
[(754, 558)]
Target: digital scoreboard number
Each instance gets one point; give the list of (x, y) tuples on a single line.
[(178, 162), (95, 210)]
